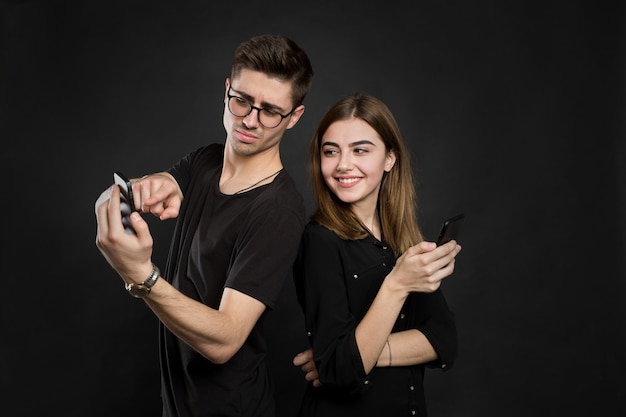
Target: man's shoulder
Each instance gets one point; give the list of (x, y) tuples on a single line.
[(283, 190), (214, 151), (279, 198), (203, 157)]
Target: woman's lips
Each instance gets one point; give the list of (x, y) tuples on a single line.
[(348, 182)]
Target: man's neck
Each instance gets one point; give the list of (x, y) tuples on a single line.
[(241, 171)]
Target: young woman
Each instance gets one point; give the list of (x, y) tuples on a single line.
[(367, 282)]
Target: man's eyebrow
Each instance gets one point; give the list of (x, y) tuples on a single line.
[(264, 104)]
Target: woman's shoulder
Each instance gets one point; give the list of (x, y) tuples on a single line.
[(316, 232), (315, 228)]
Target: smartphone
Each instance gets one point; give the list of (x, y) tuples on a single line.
[(450, 229), (127, 203)]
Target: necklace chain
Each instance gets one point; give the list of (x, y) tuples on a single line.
[(258, 182)]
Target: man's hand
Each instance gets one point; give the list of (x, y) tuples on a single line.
[(158, 194), (129, 254)]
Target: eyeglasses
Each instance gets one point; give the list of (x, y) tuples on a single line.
[(241, 107)]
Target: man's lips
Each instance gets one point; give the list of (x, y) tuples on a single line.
[(246, 136)]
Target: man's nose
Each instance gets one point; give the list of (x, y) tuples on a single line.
[(252, 119)]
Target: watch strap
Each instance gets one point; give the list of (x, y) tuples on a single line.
[(153, 277), (142, 290)]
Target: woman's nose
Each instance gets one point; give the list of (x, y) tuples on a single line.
[(345, 163)]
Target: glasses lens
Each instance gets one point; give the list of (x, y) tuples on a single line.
[(239, 107), (269, 119)]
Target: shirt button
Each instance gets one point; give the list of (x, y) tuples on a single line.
[(308, 334), (443, 365), (384, 264), (412, 388), (412, 412), (355, 276), (385, 247), (402, 316), (366, 382)]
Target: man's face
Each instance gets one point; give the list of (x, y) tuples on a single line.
[(245, 134)]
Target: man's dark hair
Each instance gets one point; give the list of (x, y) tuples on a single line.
[(279, 57)]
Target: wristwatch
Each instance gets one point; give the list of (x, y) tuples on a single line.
[(142, 290)]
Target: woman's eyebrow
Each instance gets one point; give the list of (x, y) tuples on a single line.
[(352, 144), (362, 142)]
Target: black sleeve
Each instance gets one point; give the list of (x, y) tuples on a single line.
[(438, 325), (330, 324), (202, 158)]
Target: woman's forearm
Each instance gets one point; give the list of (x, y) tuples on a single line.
[(409, 347)]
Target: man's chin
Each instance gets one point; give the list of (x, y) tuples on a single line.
[(244, 148)]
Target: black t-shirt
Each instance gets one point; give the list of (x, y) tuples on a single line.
[(247, 242), (337, 281)]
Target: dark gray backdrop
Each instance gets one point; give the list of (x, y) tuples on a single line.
[(514, 114)]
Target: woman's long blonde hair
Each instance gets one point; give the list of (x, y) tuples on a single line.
[(396, 198)]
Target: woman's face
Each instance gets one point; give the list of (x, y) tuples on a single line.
[(353, 160)]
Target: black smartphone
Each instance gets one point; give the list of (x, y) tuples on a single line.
[(126, 200), (450, 229)]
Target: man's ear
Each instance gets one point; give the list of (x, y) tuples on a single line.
[(226, 87), (295, 116)]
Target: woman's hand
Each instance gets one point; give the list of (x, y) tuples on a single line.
[(423, 266), (306, 363)]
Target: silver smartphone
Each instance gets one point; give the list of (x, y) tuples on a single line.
[(126, 200)]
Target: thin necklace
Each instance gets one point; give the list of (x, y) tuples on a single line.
[(258, 182), (371, 231)]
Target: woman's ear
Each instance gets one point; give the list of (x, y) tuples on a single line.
[(390, 160)]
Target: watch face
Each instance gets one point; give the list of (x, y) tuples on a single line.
[(138, 290)]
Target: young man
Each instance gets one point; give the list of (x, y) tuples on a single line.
[(239, 222)]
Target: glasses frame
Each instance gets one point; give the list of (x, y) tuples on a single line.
[(258, 109)]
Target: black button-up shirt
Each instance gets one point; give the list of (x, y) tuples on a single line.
[(337, 280)]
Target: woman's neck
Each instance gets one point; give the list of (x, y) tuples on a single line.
[(371, 222)]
